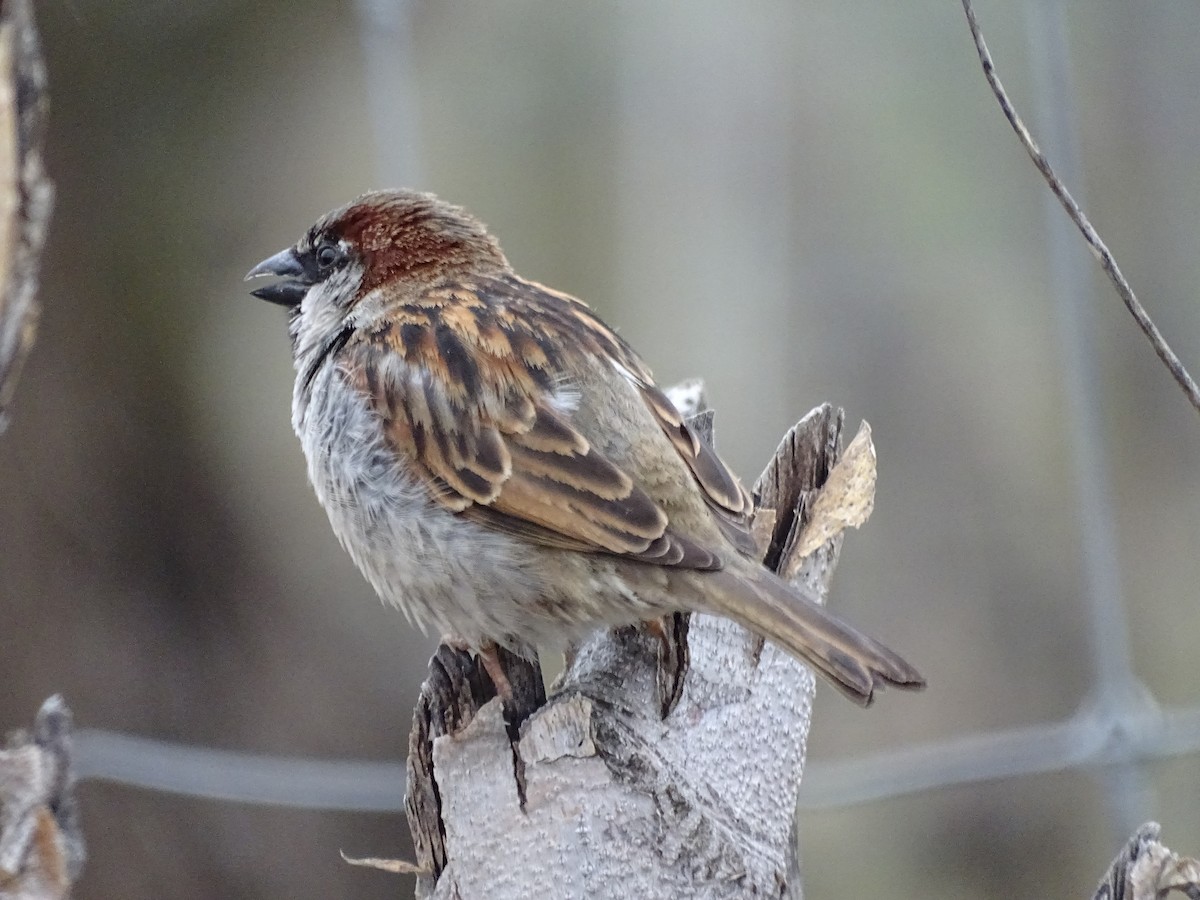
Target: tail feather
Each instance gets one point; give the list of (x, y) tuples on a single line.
[(853, 662)]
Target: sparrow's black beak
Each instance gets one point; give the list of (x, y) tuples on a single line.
[(285, 265)]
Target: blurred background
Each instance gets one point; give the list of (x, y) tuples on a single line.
[(800, 202)]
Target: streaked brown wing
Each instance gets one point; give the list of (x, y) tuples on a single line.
[(729, 501), (468, 398)]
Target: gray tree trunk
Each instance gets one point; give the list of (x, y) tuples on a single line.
[(596, 794)]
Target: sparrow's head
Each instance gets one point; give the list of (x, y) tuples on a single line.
[(383, 238)]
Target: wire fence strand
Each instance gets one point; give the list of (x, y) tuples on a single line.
[(1093, 737), (1076, 307), (213, 774)]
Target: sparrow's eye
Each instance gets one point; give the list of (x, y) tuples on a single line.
[(328, 256)]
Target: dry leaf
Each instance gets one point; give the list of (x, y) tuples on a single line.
[(847, 498)]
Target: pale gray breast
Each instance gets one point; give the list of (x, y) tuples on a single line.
[(446, 573)]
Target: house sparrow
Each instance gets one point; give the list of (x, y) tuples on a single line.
[(500, 464)]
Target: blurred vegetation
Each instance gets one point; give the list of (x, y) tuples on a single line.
[(801, 203)]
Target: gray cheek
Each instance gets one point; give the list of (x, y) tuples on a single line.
[(323, 312)]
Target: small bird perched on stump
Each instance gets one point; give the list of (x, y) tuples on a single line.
[(500, 464)]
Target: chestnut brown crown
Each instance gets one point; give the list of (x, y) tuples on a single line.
[(384, 235)]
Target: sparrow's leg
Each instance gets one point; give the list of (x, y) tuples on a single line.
[(489, 655), (671, 632)]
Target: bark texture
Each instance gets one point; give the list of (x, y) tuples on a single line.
[(596, 793), (26, 195), (1146, 870), (41, 844)]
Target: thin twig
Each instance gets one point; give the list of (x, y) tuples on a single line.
[(1097, 246)]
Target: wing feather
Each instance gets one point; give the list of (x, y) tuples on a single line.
[(468, 401)]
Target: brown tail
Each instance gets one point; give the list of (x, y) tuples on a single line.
[(853, 662)]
